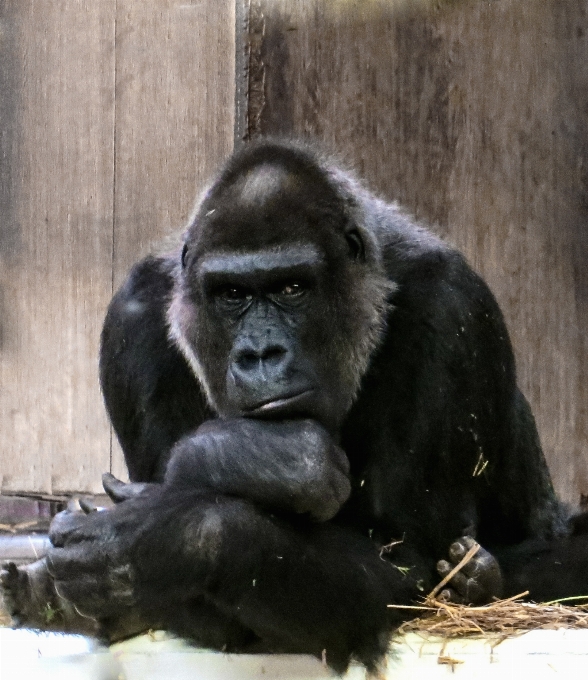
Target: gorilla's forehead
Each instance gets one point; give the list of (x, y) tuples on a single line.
[(278, 228), (268, 207)]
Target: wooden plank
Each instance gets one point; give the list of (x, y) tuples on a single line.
[(174, 115), (174, 119), (473, 115), (57, 121)]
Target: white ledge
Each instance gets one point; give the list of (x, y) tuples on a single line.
[(50, 656)]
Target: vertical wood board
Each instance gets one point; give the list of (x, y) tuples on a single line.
[(174, 115), (57, 117), (113, 115)]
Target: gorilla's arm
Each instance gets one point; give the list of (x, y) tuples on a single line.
[(282, 465), (151, 395), (300, 586)]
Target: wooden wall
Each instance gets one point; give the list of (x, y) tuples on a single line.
[(474, 115), (113, 114)]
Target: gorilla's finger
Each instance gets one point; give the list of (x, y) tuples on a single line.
[(89, 595), (458, 549), (481, 564), (326, 510), (75, 560), (63, 524), (341, 460), (444, 567), (120, 491), (458, 582), (73, 505), (474, 592), (450, 595), (8, 573), (88, 505), (100, 593)]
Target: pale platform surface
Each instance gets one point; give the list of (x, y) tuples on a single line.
[(49, 656)]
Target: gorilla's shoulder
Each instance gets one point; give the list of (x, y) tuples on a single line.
[(409, 249), (150, 279), (431, 276), (137, 312)]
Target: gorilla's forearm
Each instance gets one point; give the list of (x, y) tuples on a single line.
[(303, 587), (300, 587), (291, 465)]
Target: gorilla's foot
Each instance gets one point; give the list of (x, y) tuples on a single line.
[(480, 580), (32, 601)]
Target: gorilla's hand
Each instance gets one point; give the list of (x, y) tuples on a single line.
[(74, 517), (478, 582), (289, 465), (89, 560)]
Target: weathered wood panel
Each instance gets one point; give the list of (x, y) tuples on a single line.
[(57, 66), (174, 114), (175, 81), (474, 115), (112, 116)]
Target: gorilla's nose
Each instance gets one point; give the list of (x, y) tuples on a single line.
[(257, 366), (251, 359)]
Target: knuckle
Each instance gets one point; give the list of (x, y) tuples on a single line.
[(468, 542), (343, 489), (340, 459), (443, 567)]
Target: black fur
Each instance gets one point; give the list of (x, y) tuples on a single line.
[(311, 380)]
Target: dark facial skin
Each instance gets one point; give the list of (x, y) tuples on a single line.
[(261, 304)]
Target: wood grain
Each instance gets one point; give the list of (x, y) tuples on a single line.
[(113, 115), (56, 258), (174, 115), (473, 115)]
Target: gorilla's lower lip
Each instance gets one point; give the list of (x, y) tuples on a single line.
[(277, 406)]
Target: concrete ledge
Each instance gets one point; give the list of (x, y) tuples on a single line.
[(159, 656)]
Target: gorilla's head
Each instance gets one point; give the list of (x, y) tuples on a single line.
[(280, 294)]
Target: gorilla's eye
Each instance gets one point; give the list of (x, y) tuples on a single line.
[(234, 295), (292, 289)]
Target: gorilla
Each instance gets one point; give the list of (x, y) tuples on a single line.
[(317, 404)]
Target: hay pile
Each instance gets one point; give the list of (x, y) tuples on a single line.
[(504, 618), (501, 619)]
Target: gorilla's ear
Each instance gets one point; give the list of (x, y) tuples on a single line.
[(355, 242), (184, 253)]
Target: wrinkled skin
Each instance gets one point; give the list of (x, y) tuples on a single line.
[(315, 398)]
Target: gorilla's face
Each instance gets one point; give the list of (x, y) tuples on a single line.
[(271, 309), (262, 305)]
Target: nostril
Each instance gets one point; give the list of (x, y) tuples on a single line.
[(248, 361), (273, 355)]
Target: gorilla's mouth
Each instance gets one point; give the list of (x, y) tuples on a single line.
[(293, 404)]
